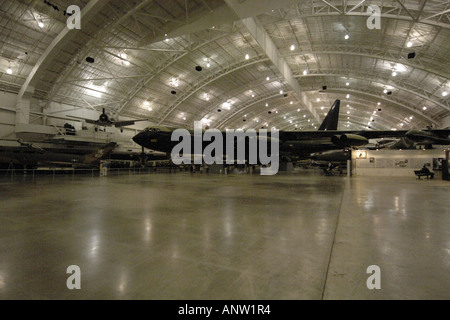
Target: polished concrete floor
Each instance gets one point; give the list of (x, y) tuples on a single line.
[(183, 236)]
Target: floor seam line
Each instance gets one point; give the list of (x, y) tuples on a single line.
[(332, 244)]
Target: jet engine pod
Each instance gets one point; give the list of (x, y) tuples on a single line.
[(349, 140), (336, 140)]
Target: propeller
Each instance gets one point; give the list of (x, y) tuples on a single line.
[(104, 117)]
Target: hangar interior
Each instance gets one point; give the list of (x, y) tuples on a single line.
[(78, 87)]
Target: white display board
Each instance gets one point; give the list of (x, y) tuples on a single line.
[(393, 162)]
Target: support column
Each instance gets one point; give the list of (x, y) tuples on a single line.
[(446, 167), (350, 165), (23, 105)]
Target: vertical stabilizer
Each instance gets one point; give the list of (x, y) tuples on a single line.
[(331, 120)]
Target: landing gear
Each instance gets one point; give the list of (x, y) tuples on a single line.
[(143, 158)]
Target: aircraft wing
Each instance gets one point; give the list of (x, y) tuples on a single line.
[(119, 124), (307, 135), (375, 134), (90, 121), (400, 133)]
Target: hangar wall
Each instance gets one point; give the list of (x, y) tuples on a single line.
[(7, 115), (395, 163)]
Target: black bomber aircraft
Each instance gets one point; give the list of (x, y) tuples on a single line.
[(301, 144)]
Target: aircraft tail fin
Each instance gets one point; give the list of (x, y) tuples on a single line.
[(332, 119), (100, 153)]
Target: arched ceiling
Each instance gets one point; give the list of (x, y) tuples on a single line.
[(145, 49)]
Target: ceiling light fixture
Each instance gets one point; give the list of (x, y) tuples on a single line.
[(292, 47), (347, 37), (227, 105), (174, 82)]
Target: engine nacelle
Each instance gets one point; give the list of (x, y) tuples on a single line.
[(349, 140)]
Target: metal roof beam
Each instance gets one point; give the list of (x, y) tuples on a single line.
[(266, 43), (332, 6), (202, 83), (415, 91), (248, 105), (380, 55), (407, 11), (67, 35)]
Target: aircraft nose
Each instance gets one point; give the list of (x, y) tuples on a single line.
[(140, 138)]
